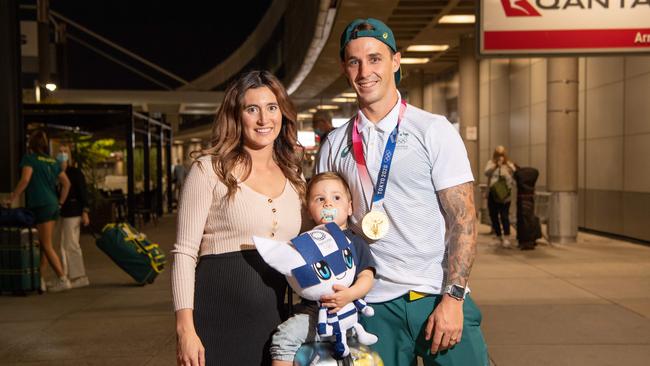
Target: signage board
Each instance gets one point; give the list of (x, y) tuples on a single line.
[(557, 27)]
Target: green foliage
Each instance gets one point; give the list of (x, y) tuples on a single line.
[(88, 153)]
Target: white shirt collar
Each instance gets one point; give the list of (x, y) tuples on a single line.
[(387, 123)]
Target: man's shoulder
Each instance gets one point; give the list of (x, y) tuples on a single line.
[(423, 119)]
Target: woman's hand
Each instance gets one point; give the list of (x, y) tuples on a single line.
[(85, 219), (189, 350)]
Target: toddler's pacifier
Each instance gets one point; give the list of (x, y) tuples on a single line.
[(328, 214)]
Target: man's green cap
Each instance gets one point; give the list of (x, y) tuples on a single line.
[(380, 32)]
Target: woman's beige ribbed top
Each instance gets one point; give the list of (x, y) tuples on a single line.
[(208, 225)]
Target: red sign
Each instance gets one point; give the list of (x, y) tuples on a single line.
[(526, 27)]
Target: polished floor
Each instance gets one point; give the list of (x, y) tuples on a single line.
[(581, 304)]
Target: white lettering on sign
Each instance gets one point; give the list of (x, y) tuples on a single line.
[(642, 38), (589, 4)]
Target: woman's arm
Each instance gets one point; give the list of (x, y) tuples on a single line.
[(65, 187), (194, 207), (490, 168), (25, 176)]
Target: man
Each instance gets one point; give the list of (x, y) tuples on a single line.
[(322, 122), (413, 193)]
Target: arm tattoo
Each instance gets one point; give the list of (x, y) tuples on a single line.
[(460, 217)]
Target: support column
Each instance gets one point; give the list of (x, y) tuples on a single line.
[(146, 170), (42, 12), (130, 167), (169, 162), (415, 88), (468, 100), (12, 133), (159, 172), (562, 148)]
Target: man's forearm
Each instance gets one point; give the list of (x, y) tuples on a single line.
[(460, 217)]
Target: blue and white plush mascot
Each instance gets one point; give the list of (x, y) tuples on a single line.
[(313, 262)]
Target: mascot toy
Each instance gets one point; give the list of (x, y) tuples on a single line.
[(313, 262)]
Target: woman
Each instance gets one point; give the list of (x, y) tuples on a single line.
[(249, 182), (38, 179), (499, 171), (74, 213)]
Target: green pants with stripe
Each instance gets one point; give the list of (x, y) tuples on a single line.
[(399, 324)]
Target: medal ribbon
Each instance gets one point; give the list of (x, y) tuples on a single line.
[(382, 177)]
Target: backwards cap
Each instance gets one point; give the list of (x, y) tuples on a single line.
[(380, 32)]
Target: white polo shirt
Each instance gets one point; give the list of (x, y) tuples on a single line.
[(429, 156)]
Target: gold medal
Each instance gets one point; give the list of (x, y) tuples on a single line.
[(375, 225)]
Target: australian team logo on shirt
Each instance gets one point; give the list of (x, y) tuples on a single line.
[(46, 159), (402, 143)]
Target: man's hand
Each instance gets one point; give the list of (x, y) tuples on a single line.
[(445, 325), (342, 296)]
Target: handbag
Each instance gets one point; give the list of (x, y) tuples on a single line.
[(500, 190)]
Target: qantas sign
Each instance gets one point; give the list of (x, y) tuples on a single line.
[(564, 26)]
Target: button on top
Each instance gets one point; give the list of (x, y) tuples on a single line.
[(270, 200), (272, 234), (274, 210)]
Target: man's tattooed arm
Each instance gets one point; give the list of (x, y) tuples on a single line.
[(460, 217)]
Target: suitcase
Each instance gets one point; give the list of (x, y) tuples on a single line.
[(132, 251), (19, 261)]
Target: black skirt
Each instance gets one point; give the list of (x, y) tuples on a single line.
[(238, 303)]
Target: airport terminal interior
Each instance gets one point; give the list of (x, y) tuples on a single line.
[(135, 86)]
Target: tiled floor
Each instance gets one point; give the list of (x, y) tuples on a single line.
[(581, 304)]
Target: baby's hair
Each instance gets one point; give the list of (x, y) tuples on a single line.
[(328, 176)]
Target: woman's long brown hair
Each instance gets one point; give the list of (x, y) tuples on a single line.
[(38, 142), (227, 143)]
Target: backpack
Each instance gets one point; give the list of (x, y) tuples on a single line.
[(500, 190)]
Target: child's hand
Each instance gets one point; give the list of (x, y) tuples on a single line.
[(341, 297)]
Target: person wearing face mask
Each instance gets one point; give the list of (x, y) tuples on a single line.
[(74, 213)]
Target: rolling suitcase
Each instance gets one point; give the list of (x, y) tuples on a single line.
[(132, 251), (19, 261)]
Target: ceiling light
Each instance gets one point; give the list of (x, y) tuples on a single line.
[(312, 110), (304, 115), (348, 95), (414, 60), (344, 100), (327, 107), (427, 48), (50, 86), (458, 19)]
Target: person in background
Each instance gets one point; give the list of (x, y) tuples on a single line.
[(228, 301), (179, 178), (499, 171), (322, 123), (38, 179), (74, 213)]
